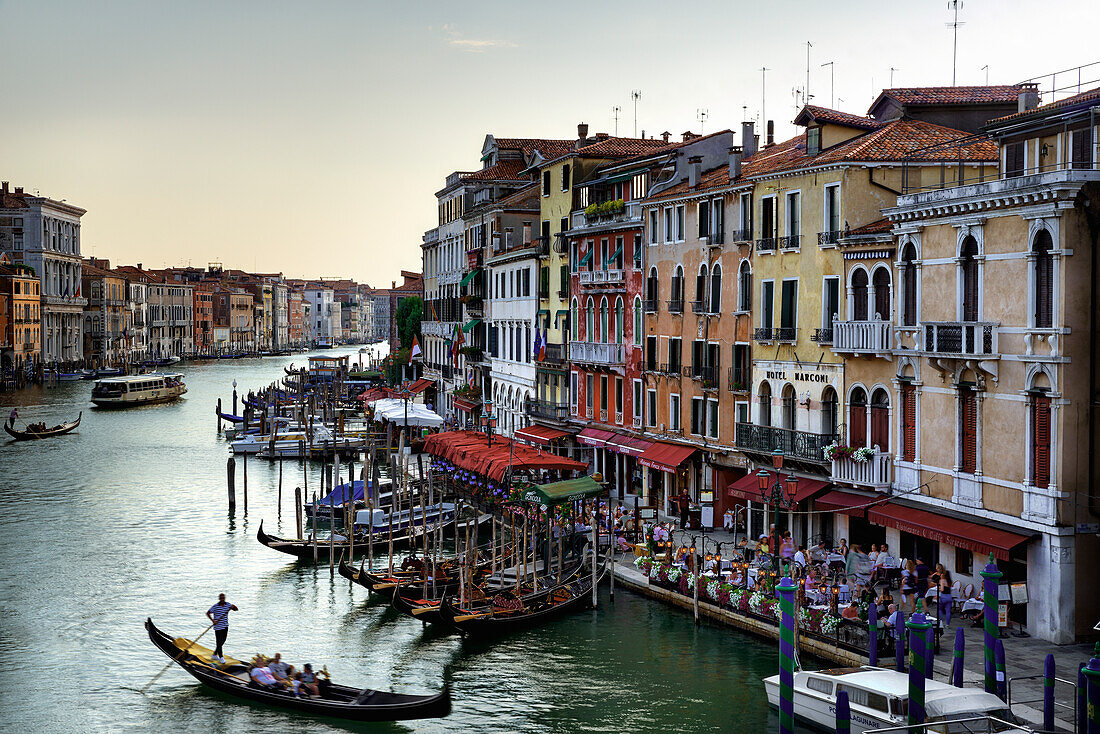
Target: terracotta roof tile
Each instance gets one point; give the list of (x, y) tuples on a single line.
[(548, 148), (914, 96), (879, 226), (612, 147), (813, 113), (1090, 95), (506, 170)]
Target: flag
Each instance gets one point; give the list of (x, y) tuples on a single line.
[(538, 343), (542, 346), (415, 351), (431, 305), (470, 379), (457, 345)]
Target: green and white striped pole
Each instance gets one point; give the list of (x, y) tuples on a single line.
[(785, 591), (918, 627)]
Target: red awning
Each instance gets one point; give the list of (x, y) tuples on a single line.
[(542, 435), (981, 539), (469, 450), (748, 488), (420, 385), (621, 443), (463, 404), (594, 436), (846, 503), (372, 394), (665, 457)]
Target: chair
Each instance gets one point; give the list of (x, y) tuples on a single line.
[(956, 595), (968, 591)]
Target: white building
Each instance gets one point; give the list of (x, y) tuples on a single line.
[(513, 308), (324, 318)]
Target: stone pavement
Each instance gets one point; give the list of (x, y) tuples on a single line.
[(1024, 656)]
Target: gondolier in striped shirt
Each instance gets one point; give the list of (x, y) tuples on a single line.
[(219, 616)]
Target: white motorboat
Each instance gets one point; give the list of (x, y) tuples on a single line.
[(324, 442), (879, 698), (124, 392)]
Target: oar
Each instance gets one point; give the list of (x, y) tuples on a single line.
[(182, 652), (424, 610), (464, 617)]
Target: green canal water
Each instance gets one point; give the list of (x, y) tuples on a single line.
[(127, 518)]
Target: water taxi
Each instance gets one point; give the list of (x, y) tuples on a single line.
[(124, 392), (879, 699)]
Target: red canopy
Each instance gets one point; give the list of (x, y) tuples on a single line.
[(420, 385), (463, 404), (594, 436), (470, 450), (665, 456), (372, 394), (621, 443), (846, 503), (748, 488), (542, 435), (981, 539)]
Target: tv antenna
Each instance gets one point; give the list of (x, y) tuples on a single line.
[(763, 74), (892, 70), (832, 83), (954, 5), (986, 70), (615, 115), (808, 47), (635, 95), (701, 115)]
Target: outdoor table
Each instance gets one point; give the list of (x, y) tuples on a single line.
[(973, 605)]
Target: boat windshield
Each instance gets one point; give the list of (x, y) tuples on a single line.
[(108, 389), (984, 722)]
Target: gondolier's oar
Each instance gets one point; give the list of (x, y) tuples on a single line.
[(182, 653)]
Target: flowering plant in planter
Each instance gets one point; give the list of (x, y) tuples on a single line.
[(859, 455), (672, 575), (655, 572), (829, 624), (757, 602), (711, 589), (739, 598)]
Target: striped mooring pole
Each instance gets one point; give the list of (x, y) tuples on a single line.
[(1048, 692), (785, 591), (843, 714), (899, 643), (990, 578), (1002, 673), (959, 658), (1091, 673), (872, 633), (918, 660)]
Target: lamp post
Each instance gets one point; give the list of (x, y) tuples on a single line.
[(488, 421), (780, 493)]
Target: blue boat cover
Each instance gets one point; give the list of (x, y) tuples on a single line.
[(338, 496)]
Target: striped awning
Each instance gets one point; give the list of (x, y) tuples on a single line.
[(468, 278)]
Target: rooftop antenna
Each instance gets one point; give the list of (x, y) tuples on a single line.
[(986, 70), (808, 95), (635, 95), (763, 74), (832, 84), (892, 70), (615, 114), (954, 5), (701, 115)]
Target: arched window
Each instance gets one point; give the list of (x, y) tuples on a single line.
[(676, 296), (744, 297), (603, 320), (909, 285), (701, 285), (574, 324), (857, 417), (1043, 283), (619, 320), (590, 321), (968, 265), (828, 410), (716, 289), (881, 282), (765, 403), (880, 419), (651, 287), (638, 321), (859, 295), (790, 403)]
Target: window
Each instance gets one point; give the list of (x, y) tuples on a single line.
[(881, 283), (765, 400), (588, 397), (718, 216), (619, 396), (573, 323), (1040, 441), (590, 321), (679, 222), (864, 697), (832, 208), (674, 355), (828, 410), (703, 215), (880, 419), (545, 233), (651, 412), (767, 217), (638, 328), (674, 412), (698, 416), (637, 403), (746, 215), (573, 392), (964, 562), (676, 297), (859, 294), (698, 354), (788, 316), (668, 224), (968, 266), (968, 429), (794, 215), (830, 303), (741, 412), (909, 285), (652, 226), (744, 287), (565, 177), (712, 418), (716, 289), (819, 684), (619, 321), (603, 395), (813, 140), (604, 337), (1081, 148), (1043, 282), (546, 183), (701, 285), (651, 353), (1014, 159), (857, 418), (767, 303), (637, 252), (790, 405), (908, 422)]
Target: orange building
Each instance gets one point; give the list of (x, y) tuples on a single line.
[(20, 316)]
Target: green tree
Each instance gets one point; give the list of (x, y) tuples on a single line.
[(408, 315)]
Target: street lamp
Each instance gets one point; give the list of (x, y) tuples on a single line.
[(778, 494), (488, 421)]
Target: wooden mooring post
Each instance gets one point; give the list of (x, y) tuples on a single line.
[(230, 472)]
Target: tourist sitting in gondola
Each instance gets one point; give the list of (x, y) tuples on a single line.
[(282, 670), (261, 675)]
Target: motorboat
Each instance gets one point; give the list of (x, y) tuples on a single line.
[(125, 392), (378, 522), (879, 698)]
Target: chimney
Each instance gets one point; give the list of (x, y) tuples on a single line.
[(771, 133), (688, 135), (643, 133), (4, 187), (694, 164), (582, 131), (664, 135), (735, 162), (748, 138), (139, 267), (602, 136), (1028, 98), (18, 190)]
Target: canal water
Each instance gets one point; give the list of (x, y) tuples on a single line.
[(127, 519)]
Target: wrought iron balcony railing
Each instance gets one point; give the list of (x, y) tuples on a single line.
[(790, 242), (676, 306), (822, 336), (830, 238), (963, 338), (738, 379), (738, 236), (767, 244), (796, 444)]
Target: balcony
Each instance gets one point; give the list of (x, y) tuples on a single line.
[(786, 334), (676, 306), (875, 473), (699, 306), (596, 353), (649, 305), (670, 368), (738, 379), (705, 374), (862, 337), (563, 294), (829, 239), (619, 212), (765, 440), (822, 336), (600, 277), (717, 239), (547, 410), (790, 242), (961, 338), (741, 236), (764, 334), (767, 244), (555, 355), (638, 422)]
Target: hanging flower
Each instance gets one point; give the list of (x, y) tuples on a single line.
[(829, 624)]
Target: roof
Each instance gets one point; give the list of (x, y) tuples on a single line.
[(548, 148), (612, 147), (525, 198), (879, 226), (919, 96), (506, 170), (87, 269), (813, 113), (542, 435), (1083, 97)]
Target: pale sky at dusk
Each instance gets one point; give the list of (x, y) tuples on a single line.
[(310, 137)]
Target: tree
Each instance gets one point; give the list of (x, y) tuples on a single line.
[(409, 312)]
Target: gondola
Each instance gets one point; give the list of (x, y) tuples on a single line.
[(303, 548), (345, 702), (57, 430), (387, 585), (503, 615)]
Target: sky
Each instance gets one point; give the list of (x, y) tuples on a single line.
[(309, 138)]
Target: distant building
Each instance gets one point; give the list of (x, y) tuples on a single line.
[(105, 315), (20, 317), (322, 328)]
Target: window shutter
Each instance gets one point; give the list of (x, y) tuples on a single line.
[(970, 290), (880, 427), (1040, 438), (857, 429), (908, 422), (969, 429), (1014, 160), (910, 316), (704, 218), (1044, 290), (859, 295), (1082, 148), (700, 287)]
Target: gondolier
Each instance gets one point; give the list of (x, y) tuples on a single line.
[(219, 616), (13, 416)]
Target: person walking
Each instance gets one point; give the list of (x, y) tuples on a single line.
[(219, 617), (946, 599)]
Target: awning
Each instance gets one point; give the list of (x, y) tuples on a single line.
[(587, 256), (541, 435), (621, 443), (594, 436), (748, 487), (463, 404), (558, 492), (981, 539), (470, 324), (470, 451), (611, 258), (846, 503), (468, 277), (420, 385), (665, 457)]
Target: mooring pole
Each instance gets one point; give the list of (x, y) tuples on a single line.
[(230, 471)]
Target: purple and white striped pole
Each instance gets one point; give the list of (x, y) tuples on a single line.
[(785, 590), (957, 661), (872, 632)]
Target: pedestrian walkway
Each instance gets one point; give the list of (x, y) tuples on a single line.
[(1024, 656)]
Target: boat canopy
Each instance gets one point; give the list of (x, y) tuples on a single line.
[(339, 496)]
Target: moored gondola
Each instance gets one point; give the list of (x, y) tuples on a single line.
[(31, 433), (303, 547), (345, 702)]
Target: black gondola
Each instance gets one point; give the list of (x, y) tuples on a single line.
[(34, 434), (303, 548), (338, 701)]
